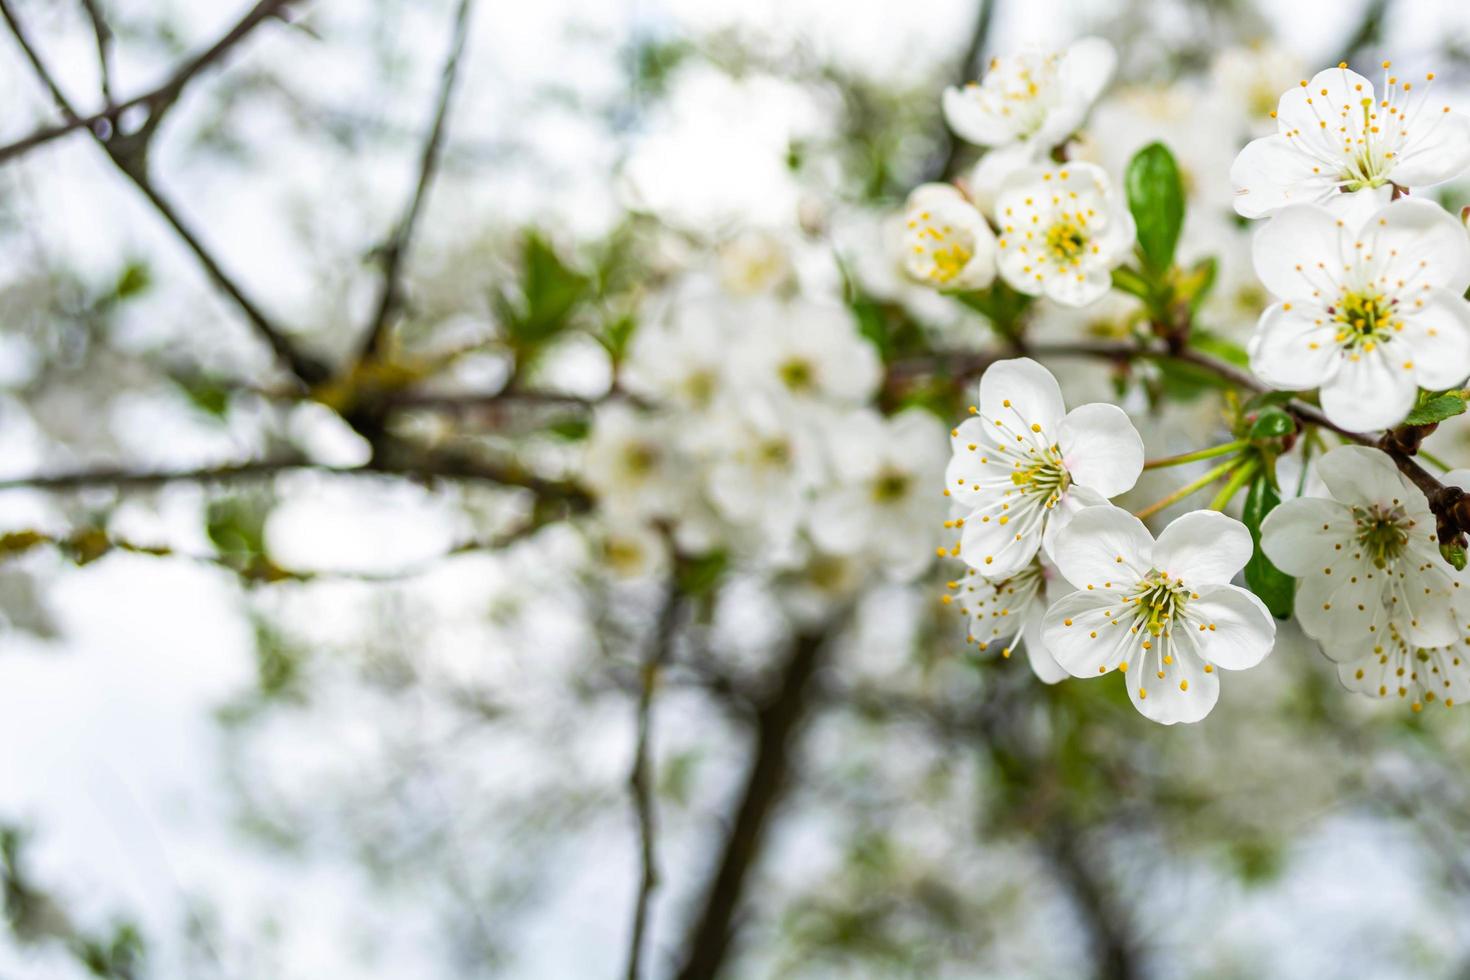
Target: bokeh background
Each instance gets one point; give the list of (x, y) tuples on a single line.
[(382, 724)]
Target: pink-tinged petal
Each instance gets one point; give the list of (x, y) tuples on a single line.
[(1100, 448), (1294, 347), (1372, 392), (1438, 149), (1411, 244), (1299, 253), (1103, 546), (1230, 627), (1272, 173), (1203, 547)]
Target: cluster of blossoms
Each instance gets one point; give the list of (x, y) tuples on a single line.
[(1369, 320), (745, 420), (728, 441)]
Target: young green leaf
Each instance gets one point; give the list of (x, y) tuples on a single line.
[(1437, 408), (1270, 584), (1156, 198)]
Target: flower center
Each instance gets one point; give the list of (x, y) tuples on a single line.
[(1042, 474), (1158, 600), (1020, 88), (947, 249), (1364, 320), (639, 459), (775, 452), (1382, 532), (1065, 242), (796, 374), (700, 387), (891, 486)]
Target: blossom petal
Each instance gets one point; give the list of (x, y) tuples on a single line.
[(1411, 244), (1345, 611), (1230, 627), (1102, 545), (1294, 347), (1101, 448), (1001, 537), (1020, 393), (1361, 475), (1078, 289), (1069, 505), (1186, 693), (1371, 392), (1437, 153), (1437, 330), (839, 521), (1306, 535), (1079, 634), (975, 124), (1296, 254), (1271, 173), (1043, 664), (1203, 547), (1086, 68)]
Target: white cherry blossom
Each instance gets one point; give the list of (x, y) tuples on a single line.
[(1034, 99), (1023, 465), (806, 351), (1368, 316), (1062, 232), (1367, 560), (1161, 612), (631, 464), (681, 361), (947, 241), (1341, 145), (881, 501), (1002, 612)]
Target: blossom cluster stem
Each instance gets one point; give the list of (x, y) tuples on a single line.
[(1196, 456), (1190, 488)]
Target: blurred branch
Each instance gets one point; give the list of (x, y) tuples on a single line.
[(104, 47), (421, 466), (640, 780), (708, 941), (1368, 32), (1113, 956), (390, 295), (130, 155), (948, 160), (162, 95)]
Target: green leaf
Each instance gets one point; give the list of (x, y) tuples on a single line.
[(616, 334), (1221, 347), (550, 293), (1454, 554), (1128, 280), (1270, 584), (1156, 198), (134, 279), (1194, 285), (1437, 408)]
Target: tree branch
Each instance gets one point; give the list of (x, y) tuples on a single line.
[(640, 780), (104, 47), (708, 941), (946, 162), (130, 154), (390, 294)]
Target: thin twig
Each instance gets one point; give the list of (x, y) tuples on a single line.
[(164, 94), (104, 47), (130, 155), (390, 294), (640, 779)]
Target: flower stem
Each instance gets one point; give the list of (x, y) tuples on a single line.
[(1196, 456), (1190, 488), (1237, 480)]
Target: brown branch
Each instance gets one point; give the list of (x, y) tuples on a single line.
[(708, 941), (640, 779), (163, 95), (130, 154), (946, 162), (104, 46), (390, 295), (425, 467)]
